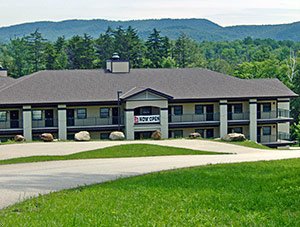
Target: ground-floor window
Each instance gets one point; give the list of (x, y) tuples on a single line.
[(235, 130), (267, 130), (206, 133), (178, 133), (201, 132), (104, 136), (3, 116)]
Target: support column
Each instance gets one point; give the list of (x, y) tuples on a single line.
[(129, 124), (253, 119), (164, 121), (62, 122), (27, 123), (223, 118)]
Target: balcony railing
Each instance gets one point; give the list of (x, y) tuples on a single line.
[(194, 117), (238, 116), (280, 113), (94, 121), (11, 124), (282, 136), (45, 123)]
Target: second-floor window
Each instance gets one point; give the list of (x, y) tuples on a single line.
[(104, 112), (3, 116), (199, 109), (178, 110), (37, 115), (81, 113)]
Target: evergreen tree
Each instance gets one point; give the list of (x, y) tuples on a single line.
[(157, 48), (36, 51)]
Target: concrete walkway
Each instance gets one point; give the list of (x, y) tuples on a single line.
[(64, 148), (20, 181)]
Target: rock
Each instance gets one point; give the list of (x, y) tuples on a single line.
[(156, 135), (82, 136), (116, 136), (234, 137), (19, 138), (47, 137), (194, 135)]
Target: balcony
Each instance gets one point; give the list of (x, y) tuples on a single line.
[(45, 123), (281, 138), (193, 118), (11, 124), (238, 116), (279, 113), (94, 121)]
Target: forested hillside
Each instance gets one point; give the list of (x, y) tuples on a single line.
[(197, 29), (247, 58)]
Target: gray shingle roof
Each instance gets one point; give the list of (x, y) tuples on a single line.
[(65, 86), (6, 81)]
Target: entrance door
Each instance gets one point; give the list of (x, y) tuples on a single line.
[(49, 118), (258, 134), (209, 112), (70, 117), (115, 115), (142, 135), (14, 119)]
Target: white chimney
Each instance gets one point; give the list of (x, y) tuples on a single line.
[(3, 72), (116, 65)]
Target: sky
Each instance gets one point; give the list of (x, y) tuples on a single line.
[(222, 12)]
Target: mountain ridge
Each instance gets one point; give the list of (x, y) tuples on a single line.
[(198, 29)]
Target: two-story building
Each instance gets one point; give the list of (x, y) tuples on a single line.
[(140, 101)]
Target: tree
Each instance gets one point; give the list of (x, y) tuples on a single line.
[(157, 48), (36, 50)]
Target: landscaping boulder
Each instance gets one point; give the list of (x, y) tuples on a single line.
[(47, 137), (156, 135), (19, 138), (82, 136), (194, 135), (234, 137), (116, 135)]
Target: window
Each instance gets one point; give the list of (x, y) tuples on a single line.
[(145, 110), (178, 134), (104, 112), (235, 130), (200, 131), (267, 131), (104, 136), (3, 116), (238, 108), (37, 115), (199, 109), (178, 110), (81, 113), (209, 133), (266, 107)]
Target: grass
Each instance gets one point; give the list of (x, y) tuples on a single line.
[(245, 194), (121, 151)]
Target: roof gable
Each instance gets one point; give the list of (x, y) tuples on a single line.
[(141, 93)]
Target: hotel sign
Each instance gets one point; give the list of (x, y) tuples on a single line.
[(146, 119)]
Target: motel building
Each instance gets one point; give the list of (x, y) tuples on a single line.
[(139, 101)]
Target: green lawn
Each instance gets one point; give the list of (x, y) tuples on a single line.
[(130, 150), (246, 194)]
